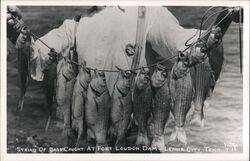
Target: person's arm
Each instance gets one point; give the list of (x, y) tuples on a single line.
[(14, 23), (166, 35), (60, 39)]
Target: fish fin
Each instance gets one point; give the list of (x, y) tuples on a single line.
[(122, 108), (90, 134), (98, 102), (130, 124), (158, 142), (20, 103), (111, 131), (150, 119), (171, 116), (210, 92), (180, 135), (47, 124), (197, 119), (190, 113), (142, 139), (206, 104)]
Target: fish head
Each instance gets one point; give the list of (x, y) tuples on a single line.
[(100, 75), (124, 81), (98, 82), (197, 54), (143, 79), (25, 34), (179, 69), (215, 38), (85, 74), (159, 76), (236, 14), (24, 38), (67, 70)]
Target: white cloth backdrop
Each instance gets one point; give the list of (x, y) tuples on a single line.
[(102, 38)]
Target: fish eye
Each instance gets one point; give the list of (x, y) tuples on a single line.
[(159, 69), (145, 70), (164, 74), (101, 73), (127, 74)]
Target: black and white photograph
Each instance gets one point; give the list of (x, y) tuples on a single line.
[(112, 78)]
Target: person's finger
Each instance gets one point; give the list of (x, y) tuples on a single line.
[(15, 11), (9, 16), (18, 27)]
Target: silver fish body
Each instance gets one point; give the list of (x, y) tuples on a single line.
[(121, 108), (181, 90), (202, 76), (66, 77), (205, 75), (161, 106), (142, 106), (97, 109), (23, 50), (79, 98)]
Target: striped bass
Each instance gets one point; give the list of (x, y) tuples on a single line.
[(97, 109), (160, 105), (142, 106)]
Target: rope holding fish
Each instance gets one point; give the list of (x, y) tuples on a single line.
[(54, 55)]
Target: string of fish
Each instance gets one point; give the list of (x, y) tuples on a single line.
[(162, 61)]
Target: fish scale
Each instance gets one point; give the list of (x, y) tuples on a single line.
[(121, 108), (101, 125), (142, 107), (161, 108), (78, 106), (160, 104), (202, 84), (97, 109), (181, 96), (23, 43)]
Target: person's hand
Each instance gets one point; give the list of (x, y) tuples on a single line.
[(14, 22)]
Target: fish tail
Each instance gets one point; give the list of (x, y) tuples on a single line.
[(20, 103), (198, 119), (142, 139), (158, 142), (179, 134)]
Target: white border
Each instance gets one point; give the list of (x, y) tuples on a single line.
[(26, 157)]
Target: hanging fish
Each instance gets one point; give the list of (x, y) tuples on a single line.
[(181, 90), (23, 50), (66, 77), (121, 108), (161, 105), (97, 109), (78, 106), (205, 74), (142, 106)]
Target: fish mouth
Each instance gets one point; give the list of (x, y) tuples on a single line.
[(146, 79)]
